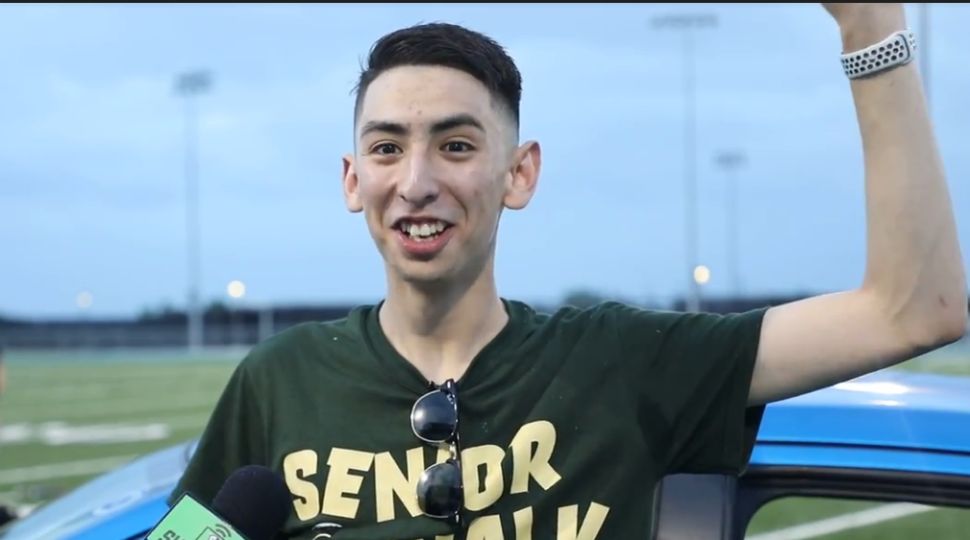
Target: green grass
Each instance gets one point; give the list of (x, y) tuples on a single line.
[(792, 511), (942, 523), (170, 397)]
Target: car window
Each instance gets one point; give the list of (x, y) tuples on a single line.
[(792, 518)]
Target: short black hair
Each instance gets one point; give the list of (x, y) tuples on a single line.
[(448, 45)]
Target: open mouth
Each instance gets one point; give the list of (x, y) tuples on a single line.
[(422, 230)]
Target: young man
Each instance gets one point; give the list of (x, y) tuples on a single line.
[(559, 426)]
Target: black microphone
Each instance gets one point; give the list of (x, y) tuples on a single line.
[(255, 500), (252, 504)]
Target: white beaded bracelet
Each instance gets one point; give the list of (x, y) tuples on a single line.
[(895, 50)]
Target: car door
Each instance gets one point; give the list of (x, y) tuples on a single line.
[(780, 503)]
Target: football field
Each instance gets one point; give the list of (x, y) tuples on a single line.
[(62, 422), (66, 419)]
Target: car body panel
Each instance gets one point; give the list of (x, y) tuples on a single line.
[(889, 409), (113, 506), (889, 420), (861, 458)]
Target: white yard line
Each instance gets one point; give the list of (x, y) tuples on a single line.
[(60, 433), (844, 522)]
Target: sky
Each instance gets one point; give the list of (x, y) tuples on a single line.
[(92, 150)]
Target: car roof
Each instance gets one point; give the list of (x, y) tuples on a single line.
[(888, 410)]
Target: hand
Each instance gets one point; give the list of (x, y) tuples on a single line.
[(862, 25)]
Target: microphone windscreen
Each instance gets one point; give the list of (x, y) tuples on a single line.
[(255, 500)]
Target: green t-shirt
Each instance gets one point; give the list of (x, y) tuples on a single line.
[(567, 422)]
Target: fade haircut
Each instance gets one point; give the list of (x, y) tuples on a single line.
[(448, 45)]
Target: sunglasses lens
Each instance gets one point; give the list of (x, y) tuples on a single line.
[(439, 490), (434, 417)]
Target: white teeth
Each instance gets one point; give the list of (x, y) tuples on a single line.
[(424, 230)]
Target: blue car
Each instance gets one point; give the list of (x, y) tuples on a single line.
[(891, 436)]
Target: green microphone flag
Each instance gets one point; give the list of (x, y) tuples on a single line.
[(191, 520)]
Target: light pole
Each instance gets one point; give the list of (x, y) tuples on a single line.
[(924, 48), (190, 85), (687, 24), (730, 162)]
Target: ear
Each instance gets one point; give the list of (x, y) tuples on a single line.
[(524, 175), (351, 185)]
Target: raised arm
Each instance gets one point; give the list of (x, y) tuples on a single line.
[(913, 297)]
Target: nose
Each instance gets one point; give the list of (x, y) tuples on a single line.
[(420, 187)]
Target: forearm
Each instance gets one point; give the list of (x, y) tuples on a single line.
[(913, 297), (914, 266)]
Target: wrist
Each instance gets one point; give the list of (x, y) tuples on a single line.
[(868, 28)]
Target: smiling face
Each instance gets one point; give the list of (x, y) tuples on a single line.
[(435, 163)]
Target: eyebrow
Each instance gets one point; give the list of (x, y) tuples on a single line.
[(441, 126)]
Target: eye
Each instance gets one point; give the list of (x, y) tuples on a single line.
[(385, 149), (457, 146)]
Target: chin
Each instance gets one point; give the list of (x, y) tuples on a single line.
[(430, 275)]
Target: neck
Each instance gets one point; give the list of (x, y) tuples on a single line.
[(441, 329)]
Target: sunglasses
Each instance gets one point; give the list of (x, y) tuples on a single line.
[(434, 419)]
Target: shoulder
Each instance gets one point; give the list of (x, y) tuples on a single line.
[(599, 313), (662, 319), (641, 326), (607, 318), (311, 339)]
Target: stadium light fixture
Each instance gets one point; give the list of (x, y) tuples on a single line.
[(687, 24)]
